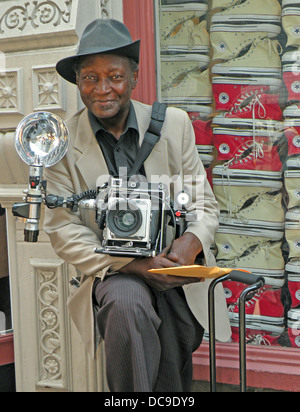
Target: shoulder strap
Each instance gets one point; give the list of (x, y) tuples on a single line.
[(151, 137)]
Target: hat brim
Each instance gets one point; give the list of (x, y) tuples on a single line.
[(65, 67)]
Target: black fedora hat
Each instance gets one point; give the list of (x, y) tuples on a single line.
[(100, 36)]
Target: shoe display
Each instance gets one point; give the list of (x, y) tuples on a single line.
[(228, 90), (249, 248), (292, 135), (233, 143), (292, 233), (257, 159), (236, 72), (184, 81), (203, 136), (232, 291), (268, 11), (224, 4), (292, 187), (256, 106), (294, 288), (291, 74), (195, 111), (256, 337), (292, 111), (241, 122), (262, 59), (264, 306), (291, 25), (250, 202), (228, 40), (293, 321), (293, 276), (182, 30)]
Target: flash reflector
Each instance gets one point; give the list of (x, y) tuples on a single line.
[(42, 135)]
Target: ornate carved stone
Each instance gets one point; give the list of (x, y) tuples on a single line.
[(11, 84), (30, 18), (52, 327), (48, 89)]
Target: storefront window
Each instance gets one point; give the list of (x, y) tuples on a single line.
[(234, 66)]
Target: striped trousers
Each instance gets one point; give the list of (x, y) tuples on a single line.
[(149, 335)]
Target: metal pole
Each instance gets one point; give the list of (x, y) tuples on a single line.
[(242, 332), (212, 333)]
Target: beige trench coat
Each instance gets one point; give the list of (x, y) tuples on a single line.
[(75, 235)]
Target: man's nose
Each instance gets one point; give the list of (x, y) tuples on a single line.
[(102, 86)]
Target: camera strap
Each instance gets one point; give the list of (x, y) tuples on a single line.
[(151, 137)]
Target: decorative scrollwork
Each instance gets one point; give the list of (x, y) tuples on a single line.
[(49, 12), (105, 14), (36, 13), (49, 326), (15, 17)]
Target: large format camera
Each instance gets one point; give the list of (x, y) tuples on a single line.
[(133, 216)]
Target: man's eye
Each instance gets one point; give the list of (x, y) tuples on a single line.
[(89, 77)]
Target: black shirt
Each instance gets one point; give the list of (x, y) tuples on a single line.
[(118, 153)]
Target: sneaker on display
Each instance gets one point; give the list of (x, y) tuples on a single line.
[(183, 31), (256, 106), (228, 40), (228, 90), (291, 78), (292, 185), (292, 233), (293, 165), (291, 74), (262, 59), (292, 111), (187, 3), (291, 25), (249, 202), (203, 136), (231, 143), (257, 160), (224, 4), (233, 290), (264, 306), (234, 122), (249, 248), (274, 328), (196, 112), (294, 288), (293, 322), (268, 11), (184, 81), (257, 337), (293, 139)]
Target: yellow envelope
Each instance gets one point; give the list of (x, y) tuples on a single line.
[(197, 271)]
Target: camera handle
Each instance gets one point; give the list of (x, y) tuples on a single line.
[(74, 202)]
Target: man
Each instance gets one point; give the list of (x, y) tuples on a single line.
[(149, 329)]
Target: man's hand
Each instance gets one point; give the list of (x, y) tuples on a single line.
[(183, 251)]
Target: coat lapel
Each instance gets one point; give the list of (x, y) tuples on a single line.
[(91, 163)]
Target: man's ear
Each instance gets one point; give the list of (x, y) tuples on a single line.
[(135, 79)]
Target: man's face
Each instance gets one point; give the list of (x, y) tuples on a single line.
[(105, 83)]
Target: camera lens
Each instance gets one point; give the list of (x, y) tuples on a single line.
[(124, 218)]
